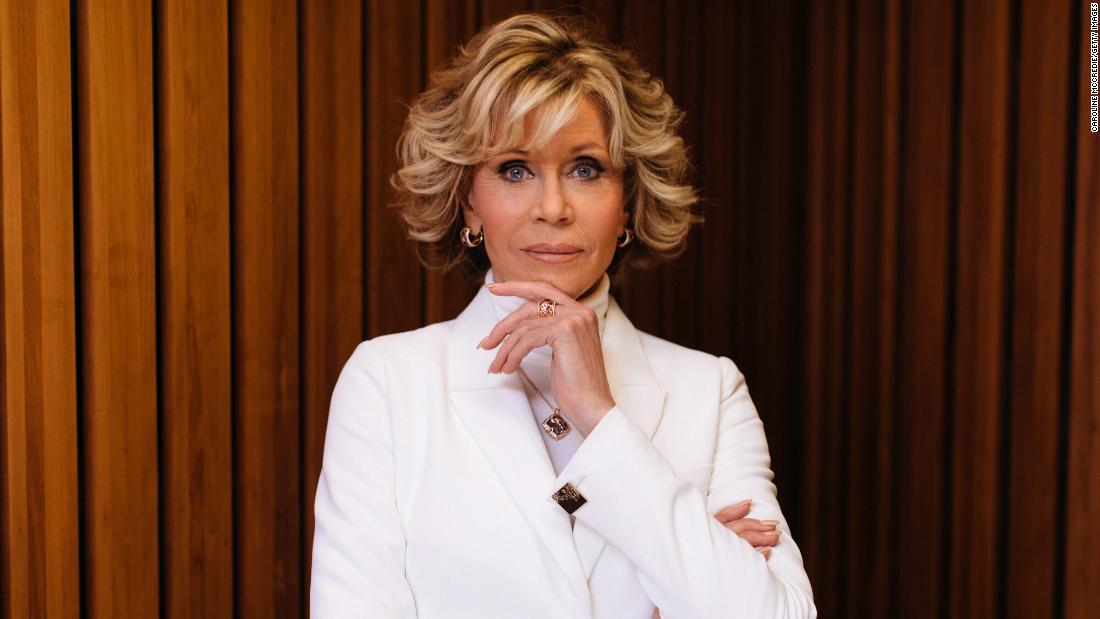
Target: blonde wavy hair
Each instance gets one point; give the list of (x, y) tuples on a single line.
[(474, 109)]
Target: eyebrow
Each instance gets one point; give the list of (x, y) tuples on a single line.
[(576, 149)]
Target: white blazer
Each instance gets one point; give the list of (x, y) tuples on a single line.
[(435, 492)]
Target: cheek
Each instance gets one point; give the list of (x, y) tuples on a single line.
[(496, 207), (601, 212)]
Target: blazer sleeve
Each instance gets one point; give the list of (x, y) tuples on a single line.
[(689, 564), (359, 541)]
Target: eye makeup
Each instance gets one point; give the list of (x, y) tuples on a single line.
[(591, 162)]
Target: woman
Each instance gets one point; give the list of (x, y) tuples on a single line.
[(538, 456)]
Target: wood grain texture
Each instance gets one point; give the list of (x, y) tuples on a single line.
[(813, 350), (881, 569), (394, 294), (716, 161), (925, 220), (39, 574), (865, 271), (827, 193), (1037, 306), (447, 24), (118, 307), (681, 75), (195, 337), (1082, 572), (332, 223), (640, 292), (984, 162), (266, 298)]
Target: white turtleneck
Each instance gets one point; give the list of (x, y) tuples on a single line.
[(537, 366)]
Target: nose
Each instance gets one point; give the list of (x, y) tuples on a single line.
[(552, 205)]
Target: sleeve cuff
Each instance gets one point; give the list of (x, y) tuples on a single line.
[(616, 447)]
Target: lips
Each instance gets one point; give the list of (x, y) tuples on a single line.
[(553, 248), (553, 253)]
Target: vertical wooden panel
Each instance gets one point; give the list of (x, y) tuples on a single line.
[(640, 293), (266, 308), (608, 14), (496, 10), (825, 303), (980, 289), (1083, 486), (817, 139), (447, 24), (769, 203), (882, 568), (39, 572), (395, 279), (924, 296), (718, 182), (118, 318), (196, 395), (679, 279), (1037, 308), (332, 223), (865, 273)]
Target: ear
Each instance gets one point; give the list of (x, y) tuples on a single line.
[(624, 217), (469, 214)]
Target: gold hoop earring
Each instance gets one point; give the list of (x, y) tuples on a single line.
[(629, 237), (465, 235)]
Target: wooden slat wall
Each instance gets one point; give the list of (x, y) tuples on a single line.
[(901, 202), (950, 277), (194, 282), (117, 307), (332, 221), (39, 515), (266, 331)]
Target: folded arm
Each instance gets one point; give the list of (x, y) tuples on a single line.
[(688, 562)]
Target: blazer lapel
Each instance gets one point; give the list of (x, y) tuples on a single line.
[(495, 410)]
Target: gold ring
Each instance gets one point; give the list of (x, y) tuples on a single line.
[(546, 308)]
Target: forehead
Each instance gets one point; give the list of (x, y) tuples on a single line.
[(587, 128)]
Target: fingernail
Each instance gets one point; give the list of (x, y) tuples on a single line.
[(771, 523), (490, 284), (743, 503)]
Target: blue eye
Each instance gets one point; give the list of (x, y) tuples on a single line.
[(592, 169), (508, 170)]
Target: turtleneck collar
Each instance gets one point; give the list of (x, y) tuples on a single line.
[(596, 300)]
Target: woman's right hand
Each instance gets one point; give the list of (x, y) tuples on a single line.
[(762, 534)]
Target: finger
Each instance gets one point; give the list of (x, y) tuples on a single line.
[(766, 551), (531, 340), (506, 347), (733, 512), (760, 525), (533, 290), (521, 314), (749, 524), (528, 312), (759, 538)]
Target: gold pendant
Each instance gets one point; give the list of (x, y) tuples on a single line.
[(556, 426)]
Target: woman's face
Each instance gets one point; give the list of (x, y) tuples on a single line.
[(553, 213)]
